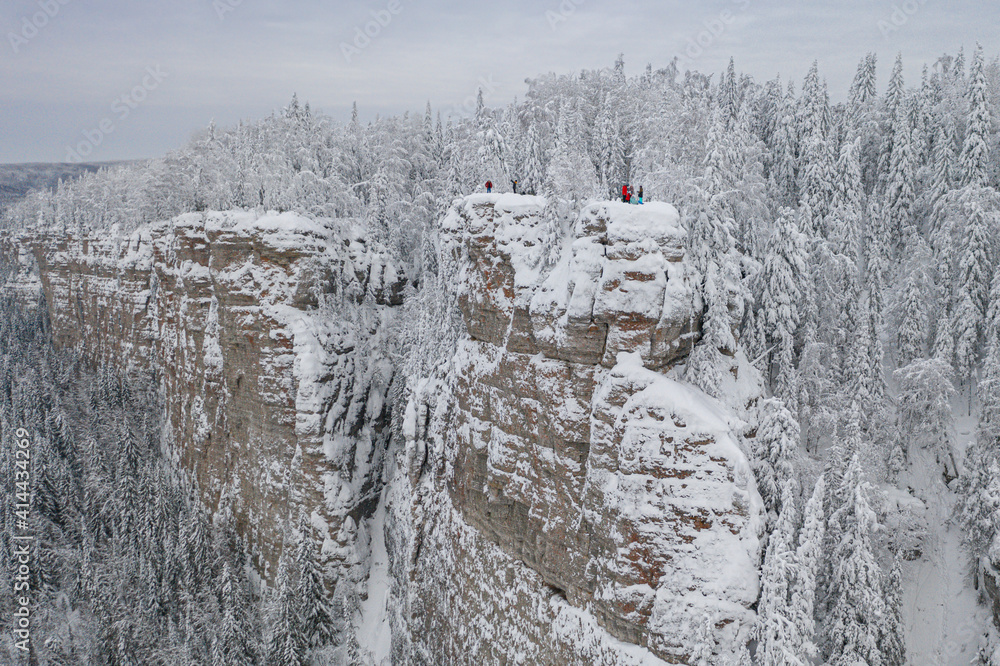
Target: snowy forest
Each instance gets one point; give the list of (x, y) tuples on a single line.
[(850, 249)]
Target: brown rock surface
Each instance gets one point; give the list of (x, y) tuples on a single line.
[(266, 394), (617, 494)]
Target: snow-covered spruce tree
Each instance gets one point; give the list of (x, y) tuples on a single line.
[(703, 647), (809, 558), (989, 410), (233, 644), (775, 449), (892, 643), (894, 99), (708, 364), (976, 150), (924, 414), (980, 484), (859, 612), (784, 169), (847, 207), (943, 159), (818, 177), (712, 247), (781, 292), (314, 611), (912, 307), (900, 194), (975, 270), (863, 90), (816, 400), (534, 165), (862, 122), (777, 641), (286, 644), (861, 377), (980, 504)]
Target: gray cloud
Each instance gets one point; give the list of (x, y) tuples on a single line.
[(65, 79)]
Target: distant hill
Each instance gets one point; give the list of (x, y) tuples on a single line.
[(16, 180)]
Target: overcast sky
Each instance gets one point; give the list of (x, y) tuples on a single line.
[(133, 78)]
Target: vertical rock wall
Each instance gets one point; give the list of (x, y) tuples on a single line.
[(556, 472), (273, 403)]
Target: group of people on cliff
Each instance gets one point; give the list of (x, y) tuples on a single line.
[(628, 194), (489, 186)]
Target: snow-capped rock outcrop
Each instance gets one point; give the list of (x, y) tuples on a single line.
[(560, 497), (566, 502), (272, 403)]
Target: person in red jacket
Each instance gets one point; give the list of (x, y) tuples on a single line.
[(624, 193), (489, 186)]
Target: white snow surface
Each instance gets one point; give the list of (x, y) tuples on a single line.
[(374, 632), (943, 618)]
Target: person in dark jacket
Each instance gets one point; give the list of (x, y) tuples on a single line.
[(489, 186), (514, 185)]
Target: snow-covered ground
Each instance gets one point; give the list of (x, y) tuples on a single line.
[(374, 633), (943, 619)]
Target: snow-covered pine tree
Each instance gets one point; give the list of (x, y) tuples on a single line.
[(925, 415), (314, 611), (892, 644), (809, 558), (781, 283), (858, 613), (233, 643), (975, 272), (775, 450), (913, 311), (777, 641), (847, 207), (285, 645), (976, 150), (899, 193)]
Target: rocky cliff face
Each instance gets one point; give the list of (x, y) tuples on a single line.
[(567, 503), (560, 498), (273, 403)]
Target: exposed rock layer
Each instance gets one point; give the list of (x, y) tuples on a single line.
[(571, 466), (270, 403)]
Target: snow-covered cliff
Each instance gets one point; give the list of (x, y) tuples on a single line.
[(560, 496), (564, 502), (273, 403)]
